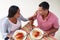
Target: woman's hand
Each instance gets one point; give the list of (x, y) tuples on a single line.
[(10, 37)]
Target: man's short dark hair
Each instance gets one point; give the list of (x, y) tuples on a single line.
[(44, 5), (12, 11)]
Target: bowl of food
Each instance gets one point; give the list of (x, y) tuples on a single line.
[(36, 33), (19, 35)]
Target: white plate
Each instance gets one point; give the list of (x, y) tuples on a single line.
[(39, 30), (20, 31)]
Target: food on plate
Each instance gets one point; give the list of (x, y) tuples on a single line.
[(36, 33), (19, 36)]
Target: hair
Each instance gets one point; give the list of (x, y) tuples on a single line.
[(12, 11), (44, 5)]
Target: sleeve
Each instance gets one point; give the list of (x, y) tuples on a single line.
[(4, 30), (34, 16), (56, 23), (22, 18)]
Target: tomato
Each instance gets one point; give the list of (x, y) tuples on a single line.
[(36, 33), (20, 35)]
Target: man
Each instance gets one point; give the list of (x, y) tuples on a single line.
[(47, 21)]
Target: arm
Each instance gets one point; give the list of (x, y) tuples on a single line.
[(31, 22), (55, 27), (33, 17), (52, 30), (22, 18), (4, 30)]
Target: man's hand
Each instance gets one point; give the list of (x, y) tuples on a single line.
[(46, 34)]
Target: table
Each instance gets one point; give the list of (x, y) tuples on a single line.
[(28, 29)]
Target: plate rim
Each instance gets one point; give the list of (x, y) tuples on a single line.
[(38, 37), (24, 33)]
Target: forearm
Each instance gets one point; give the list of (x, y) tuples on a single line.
[(31, 22), (4, 35), (31, 18), (52, 31), (22, 18)]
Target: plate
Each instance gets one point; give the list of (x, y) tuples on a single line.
[(19, 31), (36, 33)]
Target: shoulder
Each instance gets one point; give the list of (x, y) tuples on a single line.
[(36, 12), (54, 16), (4, 20)]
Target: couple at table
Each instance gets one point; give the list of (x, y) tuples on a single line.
[(46, 20)]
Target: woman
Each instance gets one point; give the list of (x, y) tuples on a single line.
[(47, 21), (12, 22)]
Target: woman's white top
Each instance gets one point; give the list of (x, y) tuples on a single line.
[(7, 26)]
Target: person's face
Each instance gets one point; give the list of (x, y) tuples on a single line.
[(42, 11), (17, 14)]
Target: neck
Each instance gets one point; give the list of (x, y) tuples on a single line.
[(13, 20), (44, 16)]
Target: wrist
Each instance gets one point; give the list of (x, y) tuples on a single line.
[(48, 32)]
